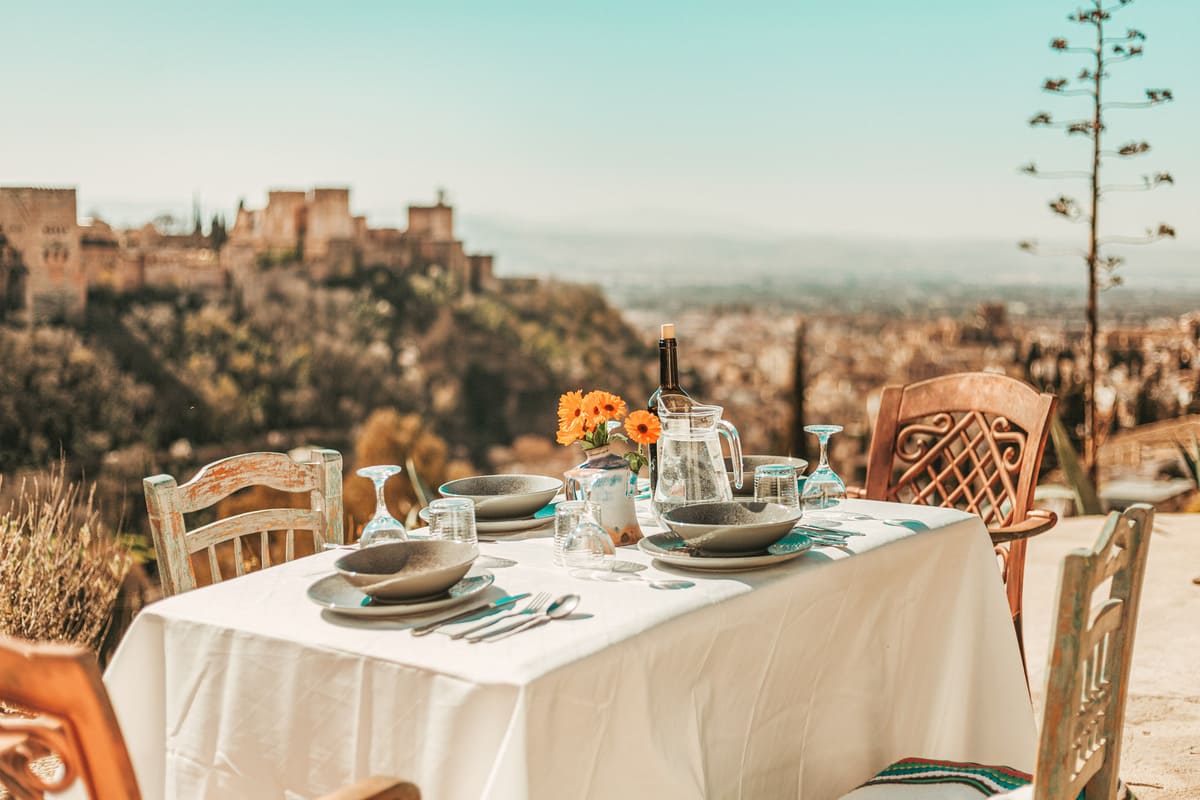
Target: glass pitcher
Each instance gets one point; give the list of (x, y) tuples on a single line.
[(691, 468)]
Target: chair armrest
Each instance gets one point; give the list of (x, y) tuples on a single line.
[(1036, 521), (376, 788), (856, 493)]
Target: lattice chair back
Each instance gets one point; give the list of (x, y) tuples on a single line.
[(1090, 655), (75, 724), (972, 441), (320, 477)]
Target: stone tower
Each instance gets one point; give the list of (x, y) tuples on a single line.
[(41, 231)]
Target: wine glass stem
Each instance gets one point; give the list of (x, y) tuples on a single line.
[(824, 439), (381, 509)]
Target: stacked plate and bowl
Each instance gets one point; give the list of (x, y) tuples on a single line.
[(423, 575), (401, 578), (735, 535), (505, 505)]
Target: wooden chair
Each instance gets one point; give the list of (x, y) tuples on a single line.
[(320, 477), (972, 441), (1090, 654), (74, 734)]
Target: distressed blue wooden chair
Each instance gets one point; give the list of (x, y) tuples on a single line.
[(319, 477), (1090, 653)]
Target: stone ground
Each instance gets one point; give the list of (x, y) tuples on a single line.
[(1160, 757)]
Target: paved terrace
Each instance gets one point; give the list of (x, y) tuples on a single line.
[(1161, 753)]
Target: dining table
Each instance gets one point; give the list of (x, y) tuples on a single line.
[(797, 680)]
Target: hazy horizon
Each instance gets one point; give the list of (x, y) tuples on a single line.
[(775, 120)]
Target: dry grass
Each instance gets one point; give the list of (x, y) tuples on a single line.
[(60, 571)]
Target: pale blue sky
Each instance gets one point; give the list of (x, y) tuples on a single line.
[(788, 118)]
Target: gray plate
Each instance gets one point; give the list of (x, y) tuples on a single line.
[(334, 593), (497, 526), (672, 549)]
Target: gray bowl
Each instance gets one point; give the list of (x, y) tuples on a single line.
[(504, 496), (732, 527), (405, 571), (748, 465)]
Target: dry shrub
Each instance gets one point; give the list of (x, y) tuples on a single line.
[(60, 571)]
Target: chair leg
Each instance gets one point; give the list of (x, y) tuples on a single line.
[(1021, 648)]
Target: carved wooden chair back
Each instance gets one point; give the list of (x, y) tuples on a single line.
[(1090, 653), (972, 441), (75, 726), (75, 723), (320, 477)]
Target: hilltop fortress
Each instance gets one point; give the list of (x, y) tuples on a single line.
[(49, 261)]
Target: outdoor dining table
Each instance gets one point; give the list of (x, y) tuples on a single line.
[(799, 680)]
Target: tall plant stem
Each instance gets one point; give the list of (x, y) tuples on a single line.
[(1092, 419)]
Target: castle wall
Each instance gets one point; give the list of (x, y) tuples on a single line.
[(481, 272), (40, 225), (183, 267), (282, 221), (327, 217), (49, 261), (435, 223)]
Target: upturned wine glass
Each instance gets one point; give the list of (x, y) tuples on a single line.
[(383, 527), (823, 488)]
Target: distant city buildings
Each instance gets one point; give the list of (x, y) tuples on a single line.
[(49, 261)]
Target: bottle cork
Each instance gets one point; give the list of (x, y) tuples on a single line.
[(668, 330)]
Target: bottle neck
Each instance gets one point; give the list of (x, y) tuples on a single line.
[(668, 365)]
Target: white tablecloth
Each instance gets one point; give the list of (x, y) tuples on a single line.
[(800, 680)]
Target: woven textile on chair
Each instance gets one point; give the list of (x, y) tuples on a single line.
[(963, 779)]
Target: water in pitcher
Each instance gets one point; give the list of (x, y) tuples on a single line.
[(691, 466)]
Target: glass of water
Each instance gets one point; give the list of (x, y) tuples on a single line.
[(567, 515), (776, 483), (453, 519)]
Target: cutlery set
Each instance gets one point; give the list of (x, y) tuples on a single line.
[(539, 610), (827, 537)]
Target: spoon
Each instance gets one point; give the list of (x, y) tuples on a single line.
[(560, 608)]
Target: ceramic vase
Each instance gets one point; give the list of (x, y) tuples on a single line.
[(607, 481)]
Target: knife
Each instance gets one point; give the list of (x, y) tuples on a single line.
[(430, 627), (808, 526)]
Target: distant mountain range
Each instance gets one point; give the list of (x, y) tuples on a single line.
[(618, 259)]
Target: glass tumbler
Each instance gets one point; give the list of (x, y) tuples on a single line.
[(589, 547), (776, 483), (453, 519), (567, 515)]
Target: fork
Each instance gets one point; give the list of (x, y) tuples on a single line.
[(536, 604), (833, 541)]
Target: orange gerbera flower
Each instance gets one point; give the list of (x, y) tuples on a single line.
[(612, 405), (643, 427), (593, 406), (571, 432), (570, 408)]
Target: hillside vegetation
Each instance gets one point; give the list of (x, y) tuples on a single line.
[(288, 355)]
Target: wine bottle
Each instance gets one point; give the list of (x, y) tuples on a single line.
[(669, 394)]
